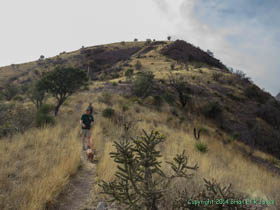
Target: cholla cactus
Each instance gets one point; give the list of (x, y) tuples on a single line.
[(140, 183)]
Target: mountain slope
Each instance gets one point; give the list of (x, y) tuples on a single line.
[(246, 112), (278, 97), (234, 117)]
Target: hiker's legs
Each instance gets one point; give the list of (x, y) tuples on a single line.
[(85, 138)]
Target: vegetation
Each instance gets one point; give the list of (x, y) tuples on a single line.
[(36, 95), (143, 84), (43, 116), (62, 83), (135, 184), (201, 147), (39, 180), (129, 74), (108, 113), (138, 65), (212, 110), (9, 91), (180, 86)]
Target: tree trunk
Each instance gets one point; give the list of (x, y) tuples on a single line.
[(57, 108)]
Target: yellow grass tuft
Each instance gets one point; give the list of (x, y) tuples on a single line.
[(35, 166)]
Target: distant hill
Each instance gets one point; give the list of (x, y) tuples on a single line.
[(228, 100), (278, 97)]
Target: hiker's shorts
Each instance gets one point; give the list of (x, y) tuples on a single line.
[(85, 133)]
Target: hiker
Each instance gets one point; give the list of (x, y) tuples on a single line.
[(86, 122), (90, 107)]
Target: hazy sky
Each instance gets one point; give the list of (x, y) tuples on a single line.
[(243, 34)]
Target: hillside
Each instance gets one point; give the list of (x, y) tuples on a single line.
[(278, 97), (239, 123), (248, 113)]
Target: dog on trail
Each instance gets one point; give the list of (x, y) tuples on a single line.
[(90, 154)]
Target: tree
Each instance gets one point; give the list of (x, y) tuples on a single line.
[(169, 38), (36, 95), (181, 88), (62, 83), (143, 84), (136, 40), (210, 53), (139, 181)]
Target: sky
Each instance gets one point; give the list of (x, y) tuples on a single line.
[(243, 34)]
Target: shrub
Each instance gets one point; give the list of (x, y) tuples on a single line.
[(148, 41), (15, 118), (253, 92), (169, 98), (217, 76), (172, 66), (143, 84), (105, 98), (43, 116), (108, 113), (9, 91), (212, 110), (138, 65), (212, 191), (180, 86), (129, 74), (36, 95), (114, 84), (201, 147), (18, 98), (138, 162), (157, 101)]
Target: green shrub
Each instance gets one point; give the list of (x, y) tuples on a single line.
[(212, 110), (182, 119), (201, 147), (143, 84), (43, 116), (42, 120), (114, 84), (140, 182), (157, 101), (138, 65), (108, 113), (9, 91), (18, 98), (253, 92), (169, 98)]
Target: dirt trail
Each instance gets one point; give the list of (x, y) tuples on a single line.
[(78, 192)]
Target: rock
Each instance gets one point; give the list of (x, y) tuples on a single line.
[(101, 206)]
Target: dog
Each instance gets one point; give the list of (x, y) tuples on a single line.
[(89, 154)]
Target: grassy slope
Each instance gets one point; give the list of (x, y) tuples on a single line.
[(58, 151)]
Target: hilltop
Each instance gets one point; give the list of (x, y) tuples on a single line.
[(239, 123)]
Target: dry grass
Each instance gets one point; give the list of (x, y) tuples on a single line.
[(35, 167), (222, 162)]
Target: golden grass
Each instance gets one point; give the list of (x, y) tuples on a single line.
[(35, 166), (223, 162)]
